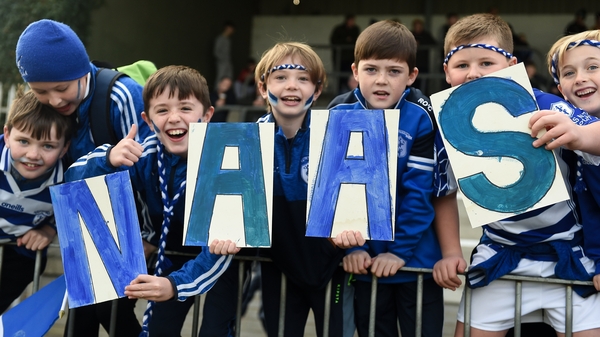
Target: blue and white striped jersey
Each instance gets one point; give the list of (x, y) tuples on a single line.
[(23, 210)]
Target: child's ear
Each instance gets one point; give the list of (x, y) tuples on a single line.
[(354, 68), (558, 86), (412, 76), (262, 88), (318, 91), (65, 149), (208, 114), (6, 136), (513, 60), (446, 72), (147, 120)]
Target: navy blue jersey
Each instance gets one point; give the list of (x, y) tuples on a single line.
[(307, 261), (415, 239)]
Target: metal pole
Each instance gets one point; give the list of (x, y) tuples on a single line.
[(327, 309), (373, 306), (37, 270), (467, 332), (281, 328), (196, 315), (70, 323), (419, 314), (569, 311), (113, 318), (518, 304), (240, 291)]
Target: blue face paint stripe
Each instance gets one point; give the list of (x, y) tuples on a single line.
[(272, 98), (309, 102), (156, 129)]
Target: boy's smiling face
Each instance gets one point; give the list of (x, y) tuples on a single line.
[(64, 97), (382, 82), (289, 91), (472, 63), (170, 118), (34, 157), (579, 72)]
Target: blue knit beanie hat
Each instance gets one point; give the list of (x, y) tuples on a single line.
[(50, 51)]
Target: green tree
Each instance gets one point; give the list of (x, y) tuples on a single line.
[(16, 15)]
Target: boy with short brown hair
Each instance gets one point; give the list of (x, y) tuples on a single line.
[(385, 68), (34, 142)]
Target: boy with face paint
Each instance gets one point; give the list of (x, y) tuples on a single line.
[(290, 77), (174, 97), (34, 142)]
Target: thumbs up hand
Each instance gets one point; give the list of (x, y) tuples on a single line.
[(127, 152)]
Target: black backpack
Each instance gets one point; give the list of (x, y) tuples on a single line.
[(100, 124)]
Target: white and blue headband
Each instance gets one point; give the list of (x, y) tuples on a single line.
[(281, 67), (478, 45), (554, 63)]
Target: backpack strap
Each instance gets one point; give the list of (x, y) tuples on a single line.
[(100, 114)]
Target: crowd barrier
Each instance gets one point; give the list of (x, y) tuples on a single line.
[(419, 303)]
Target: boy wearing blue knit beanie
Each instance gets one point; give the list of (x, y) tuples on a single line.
[(53, 61)]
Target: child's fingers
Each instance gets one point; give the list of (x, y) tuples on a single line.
[(132, 132), (341, 240), (142, 278), (359, 238)]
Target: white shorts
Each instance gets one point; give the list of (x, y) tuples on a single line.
[(493, 306)]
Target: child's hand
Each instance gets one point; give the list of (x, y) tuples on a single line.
[(561, 131), (596, 280), (349, 239), (445, 271), (152, 288), (127, 151), (37, 239), (220, 247), (386, 264), (357, 262)]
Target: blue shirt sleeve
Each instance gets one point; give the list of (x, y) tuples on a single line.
[(199, 275)]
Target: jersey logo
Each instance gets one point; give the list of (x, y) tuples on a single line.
[(403, 139), (40, 216), (563, 107), (304, 169)]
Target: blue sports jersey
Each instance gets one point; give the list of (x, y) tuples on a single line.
[(23, 210), (415, 239)]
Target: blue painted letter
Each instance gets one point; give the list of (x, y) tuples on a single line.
[(337, 167), (538, 164), (123, 261), (247, 181)]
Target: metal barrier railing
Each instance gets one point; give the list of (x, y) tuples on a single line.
[(37, 267), (419, 301)]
